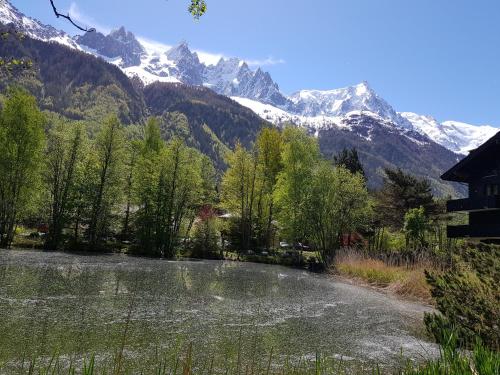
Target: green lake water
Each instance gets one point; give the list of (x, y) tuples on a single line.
[(79, 305)]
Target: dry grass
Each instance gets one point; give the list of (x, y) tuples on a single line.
[(408, 282)]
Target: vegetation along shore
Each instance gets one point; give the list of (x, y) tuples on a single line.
[(67, 186)]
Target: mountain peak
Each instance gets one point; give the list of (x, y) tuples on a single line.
[(118, 43), (121, 34), (180, 52), (363, 88), (10, 15), (339, 102)]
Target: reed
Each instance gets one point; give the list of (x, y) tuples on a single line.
[(452, 361), (406, 281)]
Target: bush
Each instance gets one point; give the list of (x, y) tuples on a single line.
[(468, 297), (206, 236)]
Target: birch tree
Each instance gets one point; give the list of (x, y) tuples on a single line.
[(22, 142)]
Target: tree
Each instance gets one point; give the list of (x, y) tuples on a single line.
[(167, 189), (269, 148), (401, 192), (132, 154), (22, 141), (206, 234), (300, 156), (349, 159), (180, 188), (338, 206), (9, 65), (64, 154), (238, 190), (416, 225), (146, 188), (105, 177)]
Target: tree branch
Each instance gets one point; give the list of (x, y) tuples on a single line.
[(69, 19)]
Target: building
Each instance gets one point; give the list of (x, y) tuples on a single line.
[(481, 171)]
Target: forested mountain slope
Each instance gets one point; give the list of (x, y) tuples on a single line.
[(83, 87), (80, 86), (70, 82)]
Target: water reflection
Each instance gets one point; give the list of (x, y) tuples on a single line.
[(77, 305)]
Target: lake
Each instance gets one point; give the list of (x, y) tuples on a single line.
[(73, 306)]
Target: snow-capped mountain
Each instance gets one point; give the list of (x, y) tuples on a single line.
[(348, 120), (9, 15), (339, 102), (118, 44), (455, 136), (255, 89), (147, 61)]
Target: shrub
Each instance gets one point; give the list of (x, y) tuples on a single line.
[(206, 235), (468, 296)]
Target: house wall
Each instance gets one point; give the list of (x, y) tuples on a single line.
[(484, 223), (479, 188)]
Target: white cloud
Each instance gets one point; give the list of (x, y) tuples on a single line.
[(153, 45), (208, 58), (82, 19), (265, 62)]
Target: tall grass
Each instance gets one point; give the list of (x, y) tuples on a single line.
[(408, 281), (188, 363), (452, 361)]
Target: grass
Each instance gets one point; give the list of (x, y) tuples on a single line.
[(408, 282), (452, 361)]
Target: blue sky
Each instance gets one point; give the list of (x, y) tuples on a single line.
[(436, 57)]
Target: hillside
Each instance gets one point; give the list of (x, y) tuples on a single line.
[(212, 122), (83, 87), (72, 83)]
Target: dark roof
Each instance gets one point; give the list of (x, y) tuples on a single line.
[(486, 156)]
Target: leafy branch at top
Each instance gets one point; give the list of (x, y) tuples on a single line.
[(197, 8)]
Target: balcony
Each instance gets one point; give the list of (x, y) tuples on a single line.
[(474, 204), (457, 231), (483, 231)]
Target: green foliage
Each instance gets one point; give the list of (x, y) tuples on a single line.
[(269, 149), (238, 191), (400, 193), (453, 361), (71, 83), (104, 178), (293, 190), (206, 235), (64, 159), (212, 123), (349, 159), (416, 225), (338, 205), (197, 8), (168, 190), (284, 176), (468, 297), (22, 141), (248, 190)]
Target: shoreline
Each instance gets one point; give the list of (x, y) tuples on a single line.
[(333, 272), (386, 290)]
